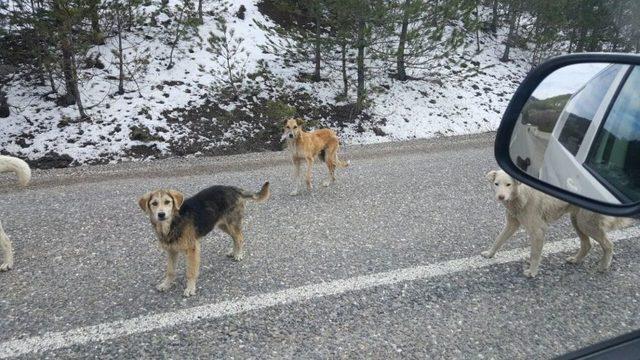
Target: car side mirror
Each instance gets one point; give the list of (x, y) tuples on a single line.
[(572, 130)]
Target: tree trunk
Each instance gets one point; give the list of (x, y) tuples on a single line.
[(360, 63), (512, 27), (494, 18), (68, 59), (317, 58), (434, 19), (4, 106), (345, 79), (97, 36), (200, 15), (120, 55), (67, 71), (175, 41), (477, 26), (401, 71), (76, 91), (52, 83)]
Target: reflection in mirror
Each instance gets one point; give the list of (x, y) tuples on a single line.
[(580, 131)]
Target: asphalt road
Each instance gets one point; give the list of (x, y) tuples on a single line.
[(382, 265)]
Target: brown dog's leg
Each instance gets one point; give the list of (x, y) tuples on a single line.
[(331, 165), (170, 275), (193, 269), (296, 177), (309, 171)]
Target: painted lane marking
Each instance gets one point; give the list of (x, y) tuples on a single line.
[(145, 323)]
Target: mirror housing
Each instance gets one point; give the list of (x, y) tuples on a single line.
[(510, 120)]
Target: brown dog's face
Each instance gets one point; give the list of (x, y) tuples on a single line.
[(292, 128), (161, 205)]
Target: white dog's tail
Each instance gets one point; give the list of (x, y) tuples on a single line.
[(17, 166), (613, 223)]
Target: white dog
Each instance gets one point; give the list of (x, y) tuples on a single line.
[(534, 211), (22, 170)]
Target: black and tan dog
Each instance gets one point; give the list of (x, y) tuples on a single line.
[(180, 224)]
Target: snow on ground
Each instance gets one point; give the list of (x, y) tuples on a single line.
[(459, 97)]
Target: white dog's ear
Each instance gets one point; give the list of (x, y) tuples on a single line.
[(491, 175), (143, 201)]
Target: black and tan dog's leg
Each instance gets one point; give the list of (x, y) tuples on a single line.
[(7, 250), (297, 163), (170, 275), (235, 231), (193, 269)]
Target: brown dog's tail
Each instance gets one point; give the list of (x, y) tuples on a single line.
[(260, 196), (322, 155)]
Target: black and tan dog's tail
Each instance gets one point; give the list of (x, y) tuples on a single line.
[(260, 196)]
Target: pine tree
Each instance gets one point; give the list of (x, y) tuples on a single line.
[(230, 54), (184, 25), (124, 15)]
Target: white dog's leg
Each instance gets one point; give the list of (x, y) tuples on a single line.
[(296, 178), (170, 275), (7, 249), (607, 250), (585, 244), (509, 229), (537, 242)]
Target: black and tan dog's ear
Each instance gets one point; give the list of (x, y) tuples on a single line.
[(178, 198), (299, 122), (491, 175), (143, 201)]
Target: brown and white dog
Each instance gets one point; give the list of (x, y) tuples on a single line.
[(306, 146), (180, 224), (23, 172)]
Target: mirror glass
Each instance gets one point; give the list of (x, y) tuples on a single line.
[(580, 131)]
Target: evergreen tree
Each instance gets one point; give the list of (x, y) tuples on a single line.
[(231, 56)]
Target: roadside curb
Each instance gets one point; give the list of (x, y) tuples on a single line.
[(189, 166)]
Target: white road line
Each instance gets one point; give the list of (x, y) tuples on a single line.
[(111, 330)]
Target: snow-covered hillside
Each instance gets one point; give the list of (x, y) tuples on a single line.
[(177, 112)]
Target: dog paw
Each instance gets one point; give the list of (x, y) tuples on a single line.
[(487, 254), (294, 193), (572, 260), (189, 291), (164, 285), (6, 267), (603, 267), (236, 256), (530, 273), (326, 183)]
